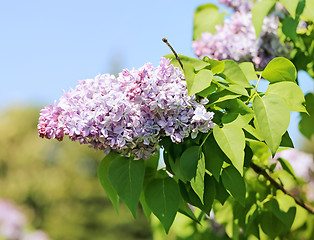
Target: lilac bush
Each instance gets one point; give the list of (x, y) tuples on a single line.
[(236, 38), (129, 113)]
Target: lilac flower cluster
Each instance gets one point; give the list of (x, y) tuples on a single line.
[(13, 224), (238, 5), (128, 114), (236, 39)]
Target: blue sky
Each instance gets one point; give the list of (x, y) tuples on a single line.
[(47, 46)]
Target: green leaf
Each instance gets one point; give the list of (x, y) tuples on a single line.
[(215, 65), (248, 155), (251, 215), (199, 82), (145, 207), (287, 167), (280, 69), (270, 224), (163, 198), (291, 6), (189, 161), (248, 70), (231, 140), (197, 182), (273, 116), (307, 121), (252, 132), (291, 93), (286, 141), (234, 183), (186, 210), (308, 10), (300, 218), (259, 11), (237, 113), (221, 193), (285, 212), (196, 63), (231, 87), (234, 74), (289, 27), (206, 17), (127, 176), (206, 92), (103, 176), (222, 96), (209, 194), (214, 157)]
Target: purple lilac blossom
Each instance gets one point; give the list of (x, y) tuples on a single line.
[(238, 5), (13, 224), (12, 221), (236, 38), (128, 114)]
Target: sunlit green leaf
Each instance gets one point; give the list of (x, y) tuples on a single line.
[(206, 17), (215, 65), (248, 70), (291, 6), (197, 182), (259, 11), (308, 10), (292, 94), (273, 116), (287, 167), (280, 69), (196, 63), (222, 96), (231, 87), (201, 81), (231, 140), (234, 74)]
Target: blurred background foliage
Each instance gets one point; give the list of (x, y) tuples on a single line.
[(56, 184)]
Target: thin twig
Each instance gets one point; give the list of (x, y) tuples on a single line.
[(174, 52), (277, 185)]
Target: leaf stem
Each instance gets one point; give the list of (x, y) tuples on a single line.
[(277, 185), (174, 52), (210, 131), (259, 78), (255, 89)]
